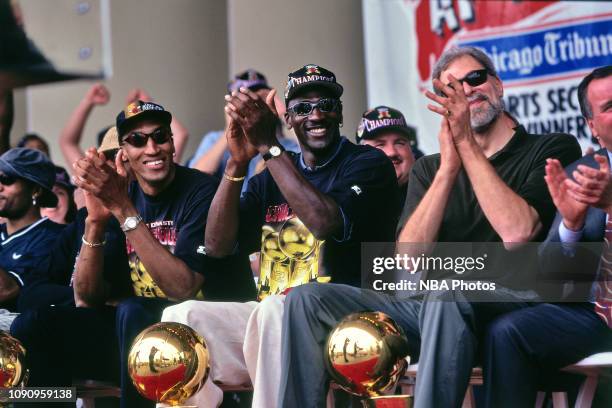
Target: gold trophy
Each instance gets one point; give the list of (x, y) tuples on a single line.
[(168, 363), (365, 357), (13, 371)]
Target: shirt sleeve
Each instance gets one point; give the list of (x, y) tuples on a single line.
[(192, 226), (565, 148), (208, 141), (418, 183), (366, 187)]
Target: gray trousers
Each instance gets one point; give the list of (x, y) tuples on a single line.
[(444, 329)]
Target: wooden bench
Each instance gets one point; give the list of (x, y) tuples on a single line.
[(89, 390)]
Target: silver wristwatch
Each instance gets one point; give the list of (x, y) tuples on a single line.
[(131, 223)]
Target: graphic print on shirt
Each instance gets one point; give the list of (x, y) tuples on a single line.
[(142, 282), (290, 254)]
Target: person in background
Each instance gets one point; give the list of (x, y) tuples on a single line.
[(26, 182), (385, 128), (34, 141), (66, 208)]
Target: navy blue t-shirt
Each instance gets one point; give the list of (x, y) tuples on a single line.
[(177, 218), (24, 250), (362, 182), (53, 278)]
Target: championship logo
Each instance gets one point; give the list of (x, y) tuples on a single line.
[(132, 109), (312, 70), (383, 113)]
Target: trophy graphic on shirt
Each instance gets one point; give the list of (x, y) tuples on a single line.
[(289, 257), (365, 356)]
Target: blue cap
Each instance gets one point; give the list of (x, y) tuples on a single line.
[(31, 165)]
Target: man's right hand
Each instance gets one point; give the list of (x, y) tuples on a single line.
[(98, 94), (572, 211)]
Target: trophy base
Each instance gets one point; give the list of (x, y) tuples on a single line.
[(389, 401)]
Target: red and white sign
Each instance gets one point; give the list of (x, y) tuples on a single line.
[(541, 50)]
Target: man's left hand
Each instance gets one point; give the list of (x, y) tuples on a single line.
[(592, 186)]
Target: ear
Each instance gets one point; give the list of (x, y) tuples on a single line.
[(592, 127), (498, 86), (288, 120)]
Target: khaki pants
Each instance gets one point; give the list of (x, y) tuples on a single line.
[(244, 344)]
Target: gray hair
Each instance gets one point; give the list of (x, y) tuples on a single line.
[(453, 53)]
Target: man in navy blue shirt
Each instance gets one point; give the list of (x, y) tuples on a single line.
[(307, 214), (160, 216), (26, 182)]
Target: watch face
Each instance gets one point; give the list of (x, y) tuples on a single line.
[(275, 150), (131, 222)]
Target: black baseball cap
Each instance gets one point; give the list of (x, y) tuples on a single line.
[(139, 110), (309, 76), (32, 165), (383, 119), (250, 79)]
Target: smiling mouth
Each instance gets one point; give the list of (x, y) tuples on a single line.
[(154, 164), (317, 131)]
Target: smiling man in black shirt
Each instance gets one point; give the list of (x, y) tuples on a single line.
[(307, 214), (159, 218)]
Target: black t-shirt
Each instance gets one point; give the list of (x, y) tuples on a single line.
[(520, 164), (362, 182), (177, 218)]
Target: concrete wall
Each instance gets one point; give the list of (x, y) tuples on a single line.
[(184, 51), (176, 50), (279, 36)]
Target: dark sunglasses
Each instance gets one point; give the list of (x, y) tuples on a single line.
[(472, 78), (138, 139), (304, 108), (7, 180)]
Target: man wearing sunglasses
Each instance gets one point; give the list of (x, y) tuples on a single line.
[(161, 216), (26, 182), (486, 185), (307, 214)]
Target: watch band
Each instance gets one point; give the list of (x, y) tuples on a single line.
[(274, 151), (131, 223)]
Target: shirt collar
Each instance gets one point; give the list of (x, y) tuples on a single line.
[(331, 158)]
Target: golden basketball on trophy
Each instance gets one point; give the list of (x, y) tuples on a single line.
[(366, 357), (13, 372), (168, 363)]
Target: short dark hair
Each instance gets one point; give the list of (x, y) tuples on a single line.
[(597, 73)]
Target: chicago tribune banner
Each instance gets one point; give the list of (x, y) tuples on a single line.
[(541, 50)]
